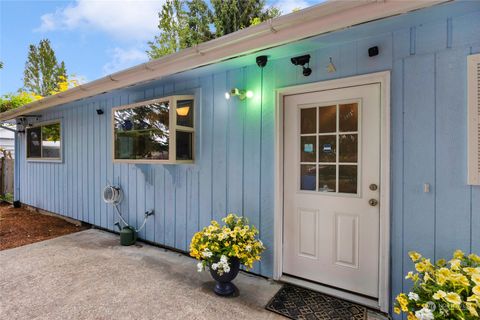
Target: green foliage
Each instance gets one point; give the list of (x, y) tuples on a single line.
[(14, 100), (7, 197), (199, 18), (172, 23), (1, 64), (51, 132), (183, 24), (233, 15), (42, 71)]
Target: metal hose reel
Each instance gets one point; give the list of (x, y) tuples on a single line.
[(128, 234), (112, 194)]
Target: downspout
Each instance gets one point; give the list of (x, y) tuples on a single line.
[(16, 172)]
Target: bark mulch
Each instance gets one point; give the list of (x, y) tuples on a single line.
[(19, 226)]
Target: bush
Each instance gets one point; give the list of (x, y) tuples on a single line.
[(444, 290)]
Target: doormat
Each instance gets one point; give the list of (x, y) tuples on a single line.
[(299, 303)]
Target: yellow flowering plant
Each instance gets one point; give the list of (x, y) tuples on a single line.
[(444, 290), (215, 245)]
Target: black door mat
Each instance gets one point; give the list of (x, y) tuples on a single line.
[(299, 303)]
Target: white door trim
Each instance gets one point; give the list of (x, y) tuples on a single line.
[(383, 78)]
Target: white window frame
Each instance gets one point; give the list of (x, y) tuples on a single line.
[(42, 159), (172, 127)]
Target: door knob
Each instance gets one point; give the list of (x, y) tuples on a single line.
[(373, 202)]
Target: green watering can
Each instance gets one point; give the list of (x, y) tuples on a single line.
[(128, 235)]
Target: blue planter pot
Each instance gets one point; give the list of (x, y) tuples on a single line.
[(224, 286)]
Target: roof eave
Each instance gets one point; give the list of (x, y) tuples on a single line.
[(325, 17)]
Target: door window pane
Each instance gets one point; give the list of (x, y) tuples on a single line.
[(308, 176), (327, 146), (327, 119), (142, 132), (327, 178), (185, 113), (348, 150), (347, 179), (34, 142), (184, 145), (308, 149), (51, 141), (308, 120), (348, 117)]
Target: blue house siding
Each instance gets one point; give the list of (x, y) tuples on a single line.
[(234, 168)]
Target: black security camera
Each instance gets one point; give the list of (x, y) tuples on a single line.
[(302, 61), (262, 61), (307, 71), (373, 51)]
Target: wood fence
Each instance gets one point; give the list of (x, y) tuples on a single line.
[(6, 177)]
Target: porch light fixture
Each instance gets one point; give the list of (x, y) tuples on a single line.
[(241, 94)]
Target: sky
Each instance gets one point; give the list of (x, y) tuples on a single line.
[(94, 37)]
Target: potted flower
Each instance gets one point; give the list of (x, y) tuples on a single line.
[(444, 290), (222, 249)]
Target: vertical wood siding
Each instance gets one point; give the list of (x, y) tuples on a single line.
[(233, 170)]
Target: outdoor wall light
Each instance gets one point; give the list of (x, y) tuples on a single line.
[(241, 94), (302, 61)]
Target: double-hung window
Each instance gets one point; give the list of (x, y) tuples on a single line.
[(160, 130), (44, 141)]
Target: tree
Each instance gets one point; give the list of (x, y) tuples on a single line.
[(12, 101), (171, 23), (183, 24), (15, 100), (199, 19), (43, 73), (233, 15)]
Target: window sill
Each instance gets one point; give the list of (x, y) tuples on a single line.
[(153, 161), (53, 160)]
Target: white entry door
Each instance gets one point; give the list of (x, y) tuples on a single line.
[(331, 187)]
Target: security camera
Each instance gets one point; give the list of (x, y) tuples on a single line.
[(262, 61), (307, 71), (302, 61)]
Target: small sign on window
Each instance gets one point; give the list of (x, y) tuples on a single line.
[(308, 147), (327, 148)]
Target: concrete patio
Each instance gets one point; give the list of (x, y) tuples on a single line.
[(88, 275)]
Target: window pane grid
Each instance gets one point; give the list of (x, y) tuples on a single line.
[(345, 148)]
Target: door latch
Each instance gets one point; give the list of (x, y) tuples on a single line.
[(373, 202)]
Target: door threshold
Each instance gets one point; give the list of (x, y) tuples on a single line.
[(362, 300)]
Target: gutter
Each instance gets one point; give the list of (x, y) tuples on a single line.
[(325, 17)]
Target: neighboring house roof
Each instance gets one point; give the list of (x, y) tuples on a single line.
[(319, 19)]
